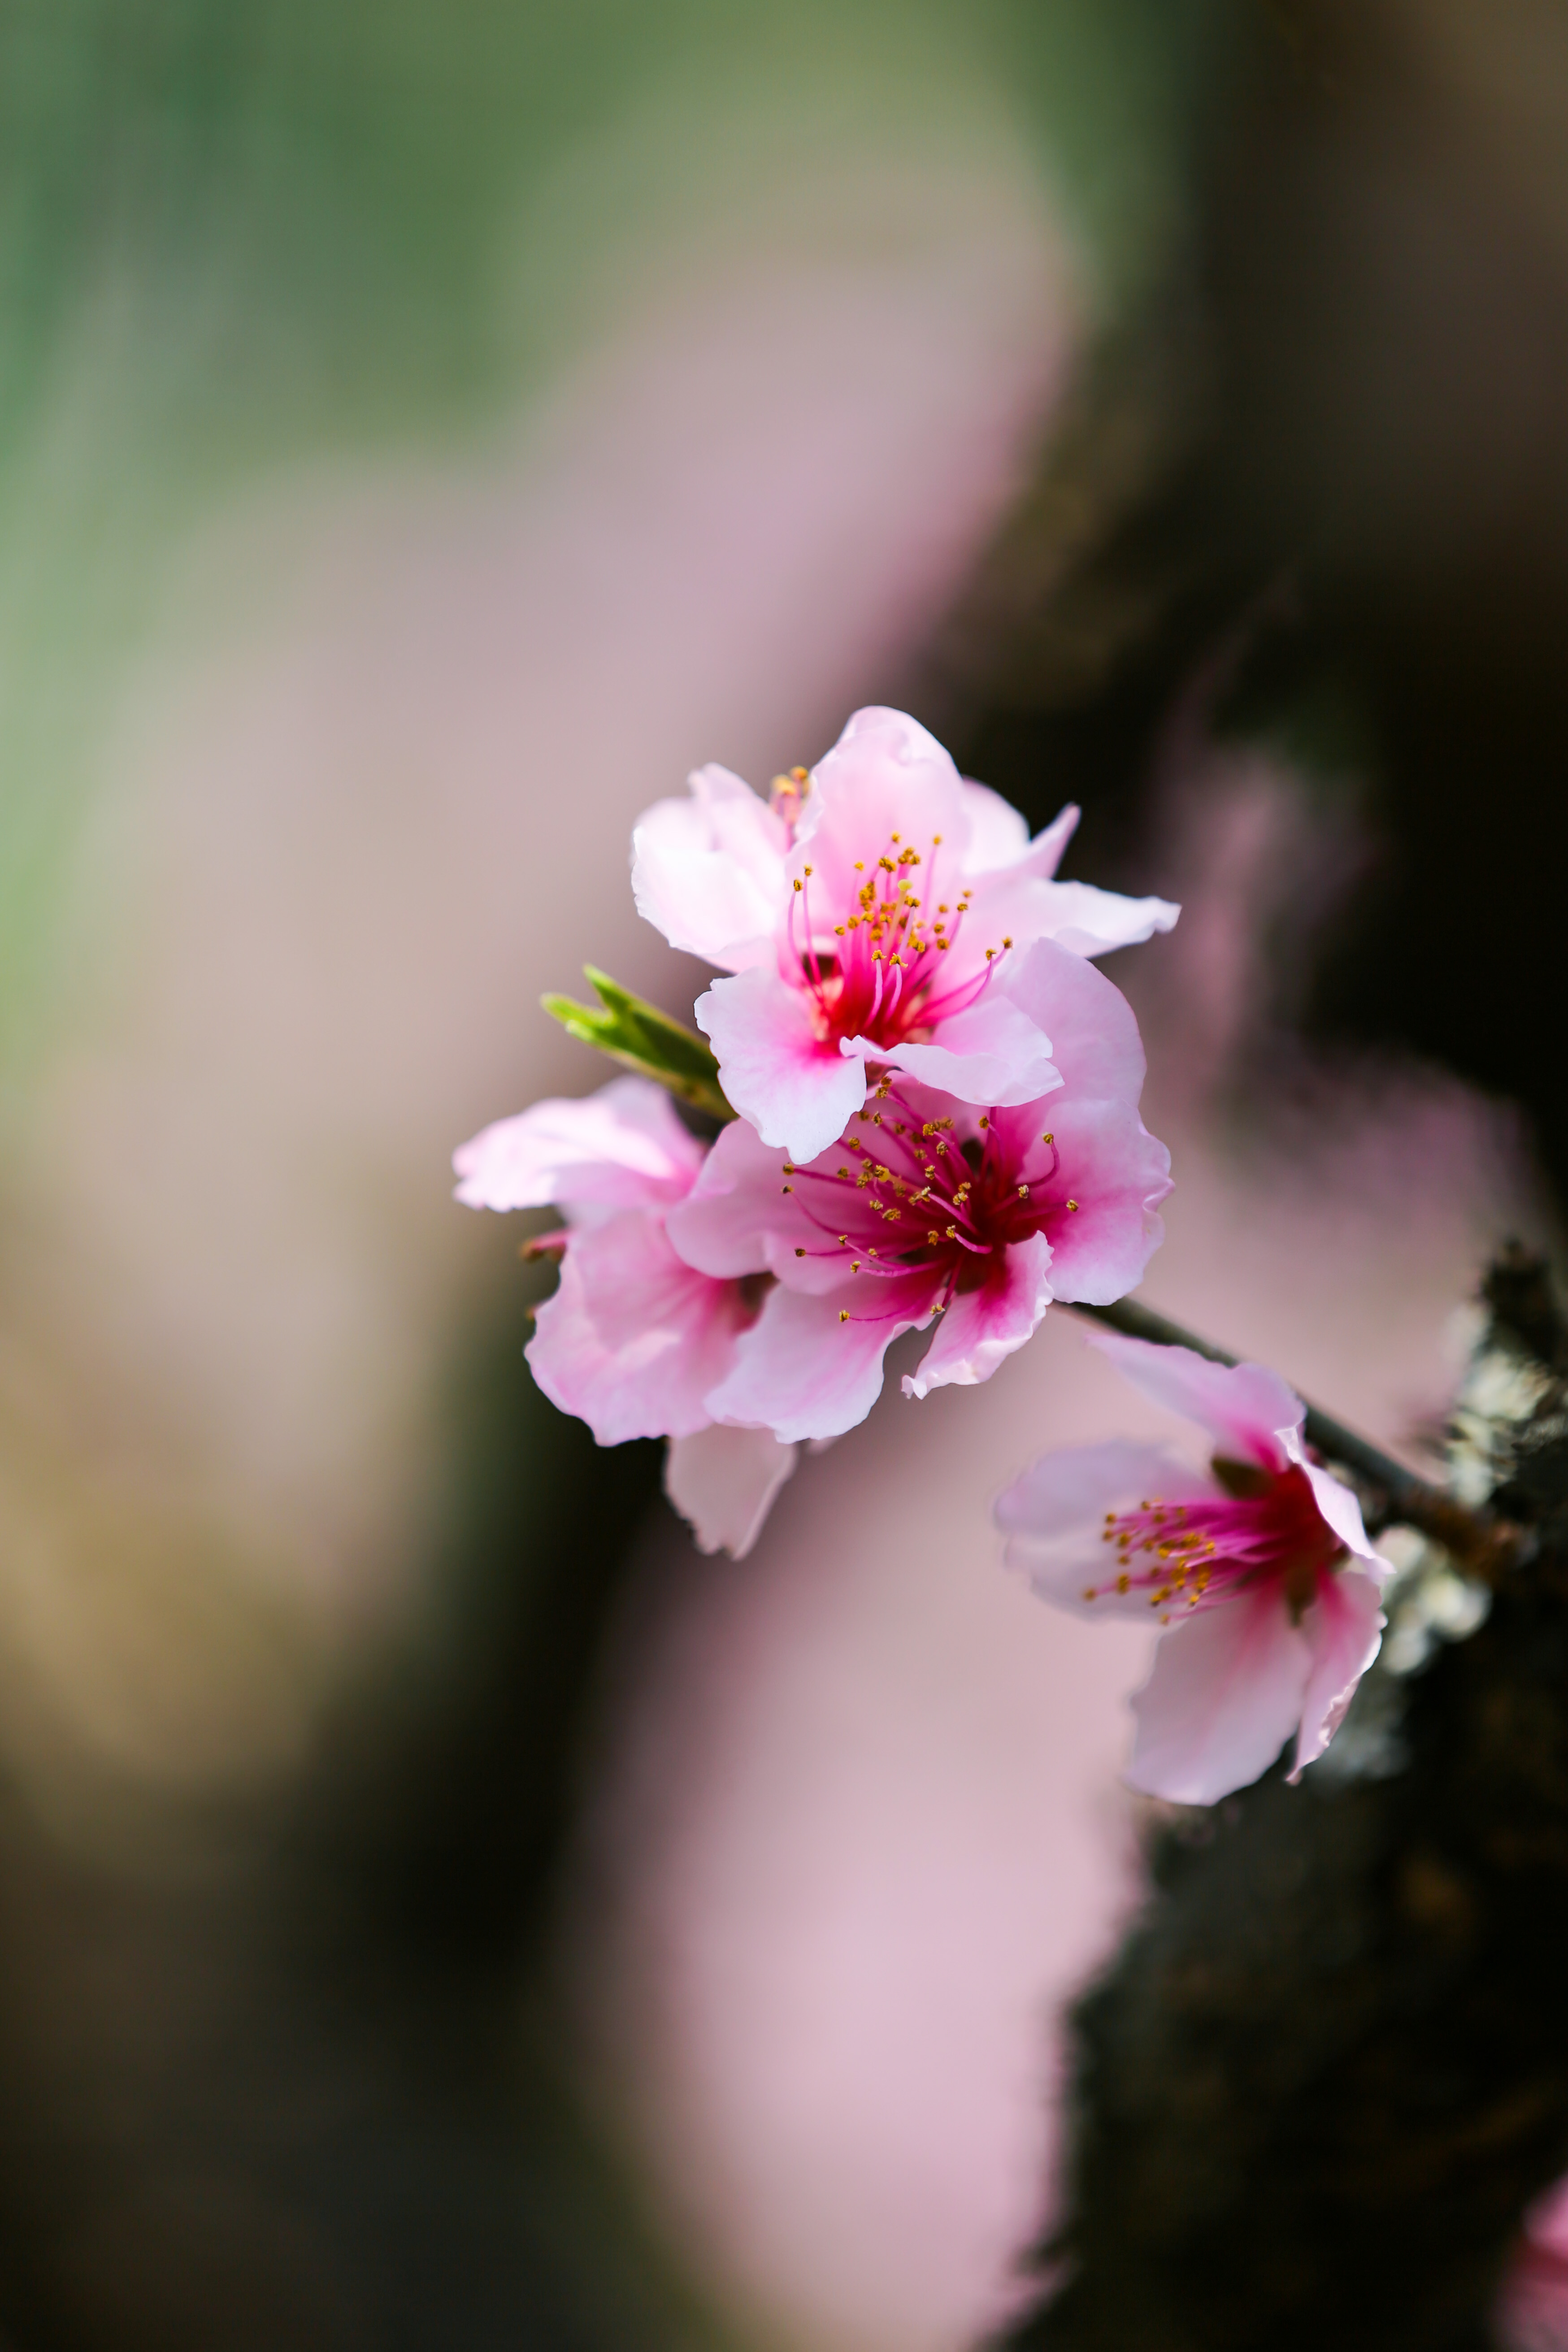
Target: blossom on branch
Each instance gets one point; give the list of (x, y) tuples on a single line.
[(1259, 1569), (870, 914), (634, 1338), (928, 1205)]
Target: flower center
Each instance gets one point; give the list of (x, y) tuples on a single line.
[(878, 971), (911, 1199), (1195, 1553)]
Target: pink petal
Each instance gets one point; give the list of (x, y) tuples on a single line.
[(633, 1338), (1338, 1505), (999, 838), (1092, 922), (619, 1149), (1343, 1629), (1054, 1517), (724, 1482), (1116, 1172), (805, 1374), (1224, 1696), (707, 871), (998, 834), (885, 775), (991, 1054), (744, 1215), (1243, 1406), (1092, 1028), (984, 1326), (799, 1093)]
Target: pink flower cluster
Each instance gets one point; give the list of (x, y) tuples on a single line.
[(1257, 1570), (937, 1096)]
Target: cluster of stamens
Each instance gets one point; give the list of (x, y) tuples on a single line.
[(1180, 1554), (883, 980), (1184, 1554), (937, 1204)]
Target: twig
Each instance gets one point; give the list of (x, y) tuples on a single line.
[(1485, 1547)]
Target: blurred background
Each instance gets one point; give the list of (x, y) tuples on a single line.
[(436, 1907)]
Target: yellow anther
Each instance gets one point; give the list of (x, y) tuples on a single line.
[(934, 1236), (1072, 1204), (800, 1253), (844, 1315), (1023, 1192), (1047, 1138), (952, 1233), (1006, 943), (806, 871)]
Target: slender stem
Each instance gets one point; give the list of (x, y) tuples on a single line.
[(1484, 1545)]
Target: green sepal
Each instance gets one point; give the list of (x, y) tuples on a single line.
[(636, 1033)]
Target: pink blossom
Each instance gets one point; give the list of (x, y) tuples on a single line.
[(930, 1205), (870, 914), (1248, 1563), (634, 1339), (1532, 2313)]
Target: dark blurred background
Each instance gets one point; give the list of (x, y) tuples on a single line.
[(424, 435)]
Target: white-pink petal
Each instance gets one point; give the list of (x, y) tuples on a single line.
[(1092, 1028), (1338, 1505), (1093, 922), (998, 834), (991, 1053), (743, 1216), (1117, 1173), (798, 1094), (807, 1374), (1245, 1407), (709, 871), (1224, 1694), (885, 775), (982, 1328), (619, 1149), (633, 1338), (1343, 1631), (999, 838), (1054, 1517), (722, 1481)]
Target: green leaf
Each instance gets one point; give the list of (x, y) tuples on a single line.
[(636, 1033)]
